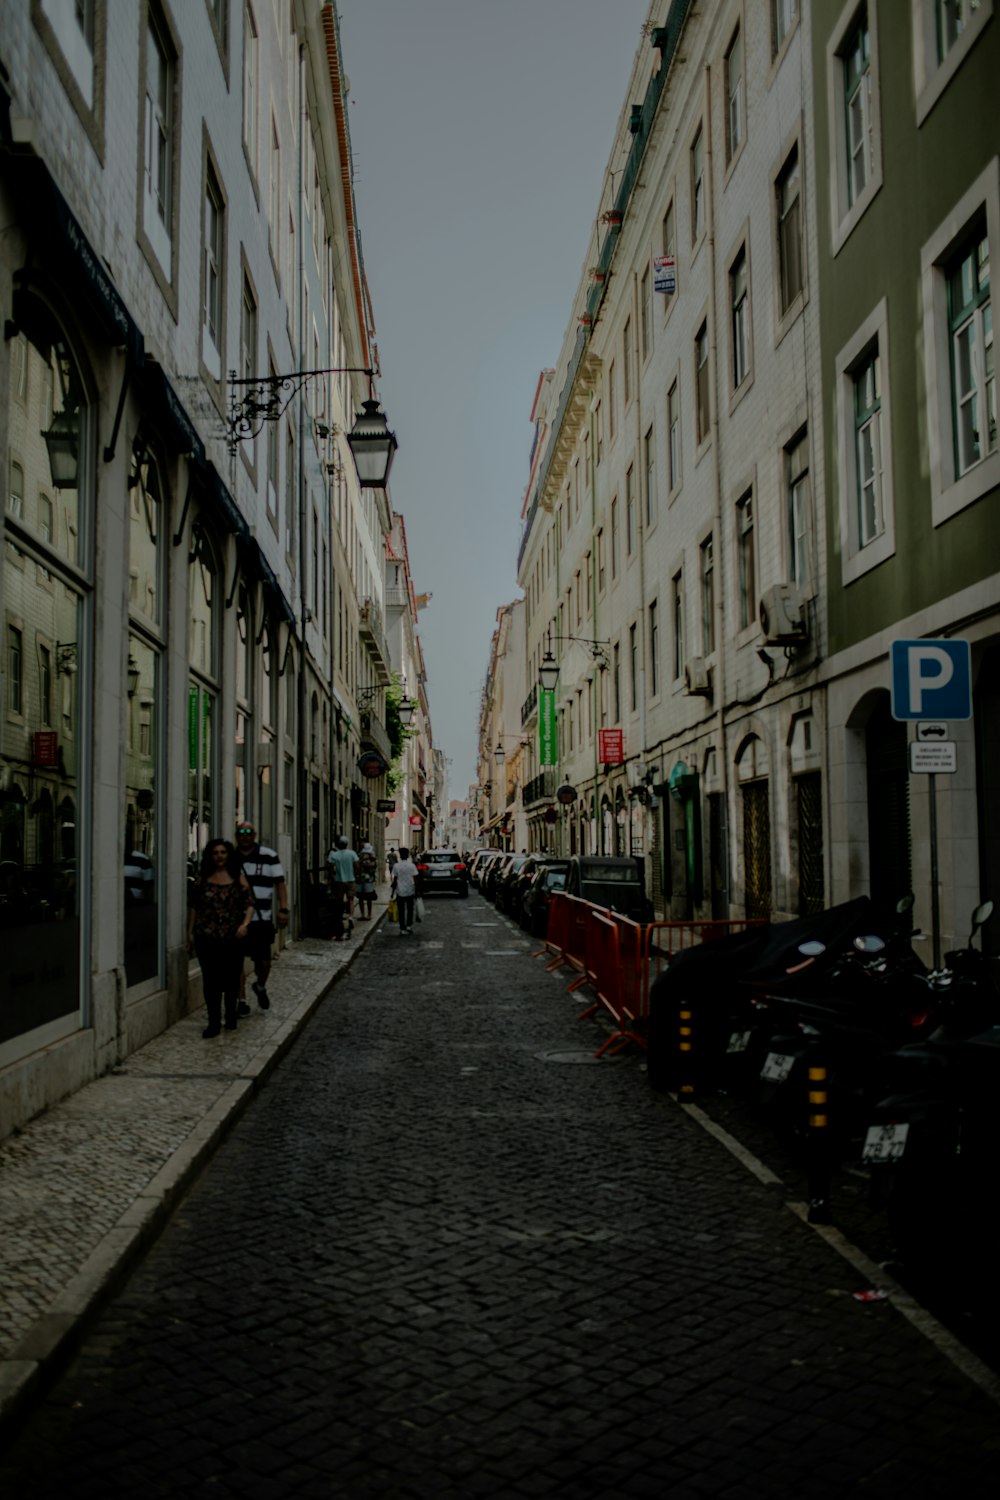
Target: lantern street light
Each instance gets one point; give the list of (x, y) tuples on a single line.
[(548, 673), (373, 446), (407, 708), (63, 442)]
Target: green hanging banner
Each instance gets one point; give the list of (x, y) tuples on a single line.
[(548, 749)]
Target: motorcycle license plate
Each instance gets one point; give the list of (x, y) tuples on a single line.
[(885, 1142), (739, 1041), (777, 1066)]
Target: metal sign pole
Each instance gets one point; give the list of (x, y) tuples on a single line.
[(935, 908)]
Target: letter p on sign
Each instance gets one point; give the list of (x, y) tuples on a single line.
[(931, 679)]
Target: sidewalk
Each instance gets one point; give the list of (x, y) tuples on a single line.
[(85, 1187)]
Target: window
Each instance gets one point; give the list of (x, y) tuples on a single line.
[(866, 380), (670, 248), (746, 572), (248, 344), (291, 496), (600, 561), (15, 492), (944, 33), (73, 29), (213, 240), (251, 73), (784, 14), (633, 666), (707, 597), (15, 670), (788, 195), (959, 349), (629, 512), (863, 421), (598, 433), (627, 360), (158, 144), (734, 96), (855, 132), (274, 194), (645, 314), (697, 186), (702, 403), (45, 684), (739, 312), (654, 648), (273, 432), (616, 680), (614, 538), (799, 511), (612, 401), (674, 437), (973, 374), (677, 610), (649, 452)]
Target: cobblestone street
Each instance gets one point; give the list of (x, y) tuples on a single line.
[(445, 1254)]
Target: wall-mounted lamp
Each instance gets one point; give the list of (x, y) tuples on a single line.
[(63, 442), (133, 676)]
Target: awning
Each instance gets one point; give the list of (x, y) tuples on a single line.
[(58, 238), (169, 415)]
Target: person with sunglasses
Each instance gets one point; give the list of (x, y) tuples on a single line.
[(262, 868), (219, 912)]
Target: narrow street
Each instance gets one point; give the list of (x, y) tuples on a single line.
[(446, 1254)]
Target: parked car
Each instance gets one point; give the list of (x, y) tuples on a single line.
[(537, 896), (493, 874), (479, 866), (615, 881), (504, 893), (522, 880), (442, 870)]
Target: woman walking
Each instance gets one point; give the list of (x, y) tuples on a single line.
[(218, 918)]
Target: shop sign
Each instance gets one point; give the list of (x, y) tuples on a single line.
[(45, 751), (566, 794), (548, 749), (550, 815), (386, 804), (611, 747), (416, 821), (372, 764), (665, 274)]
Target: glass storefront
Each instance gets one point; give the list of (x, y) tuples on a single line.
[(43, 736), (204, 591)]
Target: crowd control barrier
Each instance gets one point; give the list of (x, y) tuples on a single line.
[(619, 959)]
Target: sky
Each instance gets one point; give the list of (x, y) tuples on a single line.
[(480, 131)]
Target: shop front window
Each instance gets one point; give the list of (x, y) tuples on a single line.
[(204, 597), (42, 735)]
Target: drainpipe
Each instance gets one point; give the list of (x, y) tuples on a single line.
[(302, 768), (717, 521)]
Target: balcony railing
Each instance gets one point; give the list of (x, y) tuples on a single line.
[(373, 635), (529, 705), (397, 597), (540, 788), (374, 735)]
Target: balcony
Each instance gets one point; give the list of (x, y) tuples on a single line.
[(397, 597), (541, 788), (374, 735), (529, 705), (373, 636)]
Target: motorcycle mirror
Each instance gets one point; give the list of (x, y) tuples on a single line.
[(905, 903), (980, 917), (869, 943), (812, 948)]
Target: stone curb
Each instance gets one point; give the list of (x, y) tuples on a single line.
[(36, 1358)]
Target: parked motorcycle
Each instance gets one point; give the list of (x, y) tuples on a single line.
[(933, 1140)]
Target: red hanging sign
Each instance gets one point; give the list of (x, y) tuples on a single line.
[(611, 747)]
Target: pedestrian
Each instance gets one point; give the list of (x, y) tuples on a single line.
[(221, 905), (404, 888), (343, 864), (266, 879), (390, 860), (367, 869)]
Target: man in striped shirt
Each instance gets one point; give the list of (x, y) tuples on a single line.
[(266, 879)]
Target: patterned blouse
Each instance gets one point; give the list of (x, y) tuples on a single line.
[(219, 909)]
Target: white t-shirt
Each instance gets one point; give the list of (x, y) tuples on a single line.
[(405, 876)]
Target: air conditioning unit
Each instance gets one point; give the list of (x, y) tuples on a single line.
[(696, 680), (783, 614)]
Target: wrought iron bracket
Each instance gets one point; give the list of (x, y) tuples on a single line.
[(265, 398)]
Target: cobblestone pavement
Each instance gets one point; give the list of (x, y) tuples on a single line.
[(83, 1185), (445, 1253)]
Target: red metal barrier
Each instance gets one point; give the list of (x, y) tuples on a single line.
[(556, 928), (565, 935)]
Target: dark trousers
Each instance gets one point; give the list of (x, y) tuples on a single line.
[(221, 961), (405, 905)]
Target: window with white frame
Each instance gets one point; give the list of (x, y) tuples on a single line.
[(213, 241), (627, 361), (697, 186), (654, 648), (75, 30), (633, 666), (959, 348), (677, 610), (670, 248), (864, 434), (251, 90), (248, 347), (674, 437), (707, 596), (739, 312), (734, 96), (645, 314), (703, 415), (158, 142), (799, 510), (612, 401), (784, 14), (788, 209), (649, 453), (855, 128), (746, 570), (274, 194), (944, 33), (629, 511), (614, 538)]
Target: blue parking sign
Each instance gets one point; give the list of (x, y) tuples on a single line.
[(931, 680)]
